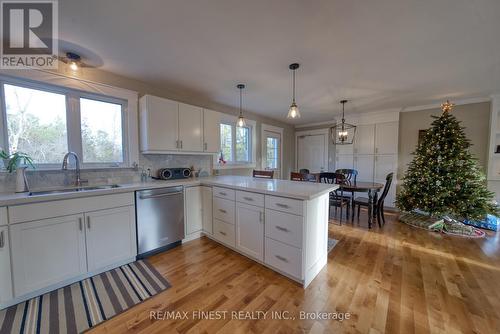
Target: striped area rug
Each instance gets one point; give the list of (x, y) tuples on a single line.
[(84, 304)]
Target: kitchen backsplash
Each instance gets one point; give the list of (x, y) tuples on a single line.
[(56, 178)]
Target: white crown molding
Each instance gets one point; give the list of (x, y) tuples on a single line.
[(364, 117), (455, 102)]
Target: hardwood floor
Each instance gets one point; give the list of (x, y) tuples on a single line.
[(391, 280)]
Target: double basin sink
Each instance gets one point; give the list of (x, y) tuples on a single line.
[(72, 190)]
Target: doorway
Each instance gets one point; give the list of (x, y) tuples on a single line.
[(312, 151), (272, 149)]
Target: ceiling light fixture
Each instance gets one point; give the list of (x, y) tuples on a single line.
[(293, 111), (73, 60), (343, 133), (241, 120)]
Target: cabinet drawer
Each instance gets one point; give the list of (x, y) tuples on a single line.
[(224, 193), (224, 232), (285, 205), (284, 257), (3, 216), (250, 198), (224, 210), (284, 227)]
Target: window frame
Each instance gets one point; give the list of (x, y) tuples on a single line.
[(251, 151), (73, 120)]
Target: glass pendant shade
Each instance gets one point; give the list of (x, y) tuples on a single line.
[(293, 112), (343, 133), (241, 121)]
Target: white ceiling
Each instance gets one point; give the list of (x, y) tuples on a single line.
[(380, 54)]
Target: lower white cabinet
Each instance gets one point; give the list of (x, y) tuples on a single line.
[(111, 237), (250, 230), (5, 272), (206, 207), (47, 252), (193, 209), (224, 232), (284, 257)]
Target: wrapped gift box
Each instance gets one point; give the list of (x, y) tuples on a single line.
[(490, 223)]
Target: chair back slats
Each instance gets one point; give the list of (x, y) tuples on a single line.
[(387, 186), (304, 171), (327, 177), (351, 175), (263, 174), (302, 177)]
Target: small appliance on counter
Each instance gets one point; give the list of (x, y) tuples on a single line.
[(173, 173)]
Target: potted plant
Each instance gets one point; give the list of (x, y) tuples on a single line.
[(18, 162)]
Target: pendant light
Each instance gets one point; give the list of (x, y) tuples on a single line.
[(241, 120), (293, 111), (343, 133)]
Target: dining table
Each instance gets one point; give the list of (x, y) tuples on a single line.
[(371, 188)]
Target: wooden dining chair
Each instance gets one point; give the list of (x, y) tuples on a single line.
[(379, 205), (351, 175), (304, 171), (263, 174), (294, 176), (337, 199)]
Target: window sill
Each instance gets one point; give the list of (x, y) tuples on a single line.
[(233, 166)]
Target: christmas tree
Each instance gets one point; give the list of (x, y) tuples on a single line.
[(444, 178)]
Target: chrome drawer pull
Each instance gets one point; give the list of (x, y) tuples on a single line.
[(281, 228), (282, 205), (223, 233), (281, 258), (2, 240), (223, 211), (222, 193), (248, 198)]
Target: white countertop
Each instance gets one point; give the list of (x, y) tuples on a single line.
[(283, 188)]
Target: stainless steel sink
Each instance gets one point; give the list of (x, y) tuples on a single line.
[(72, 190)]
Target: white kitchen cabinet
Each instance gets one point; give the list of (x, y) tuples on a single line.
[(347, 149), (159, 124), (250, 230), (385, 164), (190, 128), (5, 272), (111, 237), (386, 138), (364, 139), (206, 199), (211, 131), (344, 162), (3, 216), (193, 209), (47, 252), (364, 164)]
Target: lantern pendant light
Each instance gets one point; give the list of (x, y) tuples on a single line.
[(241, 120), (343, 133), (293, 111)]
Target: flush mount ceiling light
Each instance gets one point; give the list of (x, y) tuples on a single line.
[(241, 120), (293, 111), (73, 60), (343, 133)]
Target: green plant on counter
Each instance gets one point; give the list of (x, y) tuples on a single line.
[(13, 161)]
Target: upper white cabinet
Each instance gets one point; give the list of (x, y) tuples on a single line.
[(193, 207), (206, 199), (5, 272), (211, 131), (250, 230), (47, 252), (190, 128), (159, 124), (111, 236), (168, 126), (364, 139), (386, 138), (364, 164)]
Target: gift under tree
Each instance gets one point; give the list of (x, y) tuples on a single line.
[(444, 178)]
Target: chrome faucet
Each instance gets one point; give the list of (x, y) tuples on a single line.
[(78, 181)]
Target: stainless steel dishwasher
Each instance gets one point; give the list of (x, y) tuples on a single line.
[(160, 219)]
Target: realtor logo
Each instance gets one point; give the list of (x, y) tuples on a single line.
[(29, 34)]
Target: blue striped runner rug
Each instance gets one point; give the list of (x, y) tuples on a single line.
[(82, 305)]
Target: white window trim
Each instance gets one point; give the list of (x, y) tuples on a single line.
[(59, 83), (231, 120), (275, 129)]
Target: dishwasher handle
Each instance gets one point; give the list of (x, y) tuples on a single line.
[(159, 195)]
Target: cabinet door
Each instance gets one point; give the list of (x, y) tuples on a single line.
[(5, 272), (190, 128), (250, 230), (344, 162), (364, 140), (207, 219), (386, 138), (385, 164), (211, 131), (364, 164), (159, 124), (110, 237), (344, 149), (47, 252), (193, 207)]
